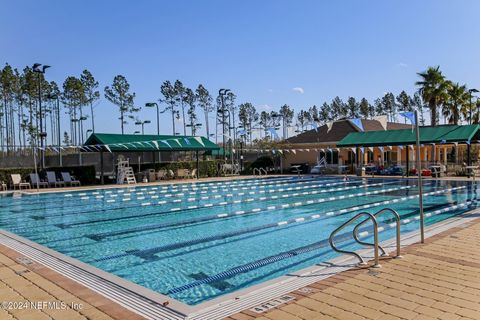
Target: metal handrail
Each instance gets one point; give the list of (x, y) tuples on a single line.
[(256, 170), (397, 221), (264, 170), (375, 236)]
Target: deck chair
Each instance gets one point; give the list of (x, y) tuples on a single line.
[(53, 181), (161, 174), (193, 174), (182, 173), (3, 186), (35, 181), (67, 179), (171, 174), (18, 183)]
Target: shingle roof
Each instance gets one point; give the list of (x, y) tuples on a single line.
[(340, 129)]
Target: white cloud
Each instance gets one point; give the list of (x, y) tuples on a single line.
[(265, 107), (298, 89), (402, 65), (270, 90)]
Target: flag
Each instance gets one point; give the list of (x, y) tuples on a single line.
[(155, 143), (370, 148), (362, 149), (383, 121), (354, 150), (313, 124), (380, 148), (242, 132), (468, 142), (329, 126), (409, 115), (357, 123), (294, 151), (187, 141), (273, 132), (108, 148), (400, 147)]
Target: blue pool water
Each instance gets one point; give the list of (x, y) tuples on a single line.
[(197, 241)]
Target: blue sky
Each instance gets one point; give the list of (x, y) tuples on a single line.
[(259, 49)]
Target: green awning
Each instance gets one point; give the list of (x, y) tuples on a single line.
[(218, 153), (140, 143), (437, 135)]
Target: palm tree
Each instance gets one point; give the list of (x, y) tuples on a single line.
[(433, 90), (456, 102)]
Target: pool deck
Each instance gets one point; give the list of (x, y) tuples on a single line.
[(437, 280)]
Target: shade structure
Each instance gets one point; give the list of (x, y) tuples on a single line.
[(428, 135), (142, 143)]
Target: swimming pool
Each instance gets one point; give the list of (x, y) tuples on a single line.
[(198, 241)]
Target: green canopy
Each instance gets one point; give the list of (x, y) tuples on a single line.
[(437, 135), (140, 143), (218, 153)]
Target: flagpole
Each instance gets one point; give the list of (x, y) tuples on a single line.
[(419, 173)]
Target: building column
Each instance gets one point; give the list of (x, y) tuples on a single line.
[(399, 156), (445, 150)]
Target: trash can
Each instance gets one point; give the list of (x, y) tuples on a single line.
[(361, 172), (151, 175)]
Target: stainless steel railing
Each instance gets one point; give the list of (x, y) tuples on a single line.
[(375, 244)]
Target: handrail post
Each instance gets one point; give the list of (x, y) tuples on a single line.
[(375, 235)]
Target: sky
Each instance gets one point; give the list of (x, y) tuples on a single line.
[(269, 52)]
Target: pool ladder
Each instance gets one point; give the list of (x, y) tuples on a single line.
[(259, 171), (375, 245)]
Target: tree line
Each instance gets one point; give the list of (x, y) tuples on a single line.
[(22, 90)]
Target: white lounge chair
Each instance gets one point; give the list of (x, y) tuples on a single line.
[(193, 174), (18, 183), (161, 174), (35, 180), (67, 179), (53, 181), (171, 174), (182, 173)]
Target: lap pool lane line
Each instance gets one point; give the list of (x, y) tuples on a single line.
[(98, 196), (243, 212), (190, 199), (173, 246), (194, 207), (100, 236), (281, 223), (269, 260), (101, 200), (179, 211)]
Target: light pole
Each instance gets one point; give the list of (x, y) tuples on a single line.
[(36, 68), (471, 91), (222, 111), (194, 127), (81, 119), (142, 123), (154, 104)]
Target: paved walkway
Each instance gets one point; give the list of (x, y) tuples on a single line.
[(438, 280), (27, 288)]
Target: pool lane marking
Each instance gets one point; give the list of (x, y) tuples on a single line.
[(63, 214), (127, 193), (178, 245), (225, 215), (209, 205), (249, 266)]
